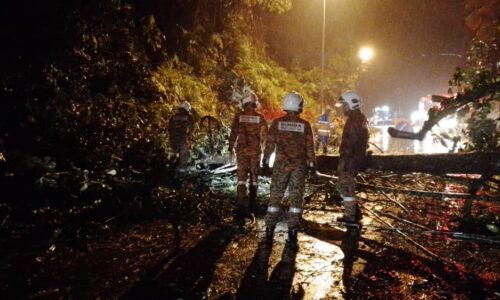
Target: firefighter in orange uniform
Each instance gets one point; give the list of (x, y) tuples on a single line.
[(353, 148), (292, 139), (248, 136)]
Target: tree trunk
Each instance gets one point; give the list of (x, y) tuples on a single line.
[(472, 163)]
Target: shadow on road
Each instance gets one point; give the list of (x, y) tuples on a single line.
[(350, 248), (255, 284), (280, 282), (188, 276)]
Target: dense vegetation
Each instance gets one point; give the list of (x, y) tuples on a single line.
[(87, 88)]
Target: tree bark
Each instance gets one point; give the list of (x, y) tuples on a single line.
[(470, 163)]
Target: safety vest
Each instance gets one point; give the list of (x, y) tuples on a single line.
[(324, 125)]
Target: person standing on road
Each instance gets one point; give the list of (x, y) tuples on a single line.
[(324, 128), (248, 133), (292, 138), (180, 129), (352, 154)]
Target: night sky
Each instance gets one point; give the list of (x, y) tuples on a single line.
[(418, 44)]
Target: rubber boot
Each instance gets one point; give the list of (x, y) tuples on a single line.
[(358, 215), (252, 198), (269, 234), (292, 235), (349, 217)]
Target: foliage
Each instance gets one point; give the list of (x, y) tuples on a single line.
[(279, 6), (483, 132), (481, 72), (94, 111), (85, 116), (480, 77)]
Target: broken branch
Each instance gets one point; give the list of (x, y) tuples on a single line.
[(429, 194)]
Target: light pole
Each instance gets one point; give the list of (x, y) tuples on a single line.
[(322, 96)]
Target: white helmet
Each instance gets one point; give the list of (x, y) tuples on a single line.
[(251, 97), (293, 102), (186, 106), (350, 98)]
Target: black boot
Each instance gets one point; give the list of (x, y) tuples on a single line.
[(358, 214), (252, 198), (292, 234), (269, 234), (351, 213)]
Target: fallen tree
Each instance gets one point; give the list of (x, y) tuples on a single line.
[(485, 163), (448, 106)]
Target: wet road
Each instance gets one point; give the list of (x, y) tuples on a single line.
[(227, 264)]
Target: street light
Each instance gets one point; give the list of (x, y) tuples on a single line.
[(322, 98), (366, 54)]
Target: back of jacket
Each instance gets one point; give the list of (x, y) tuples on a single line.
[(180, 127), (248, 132), (354, 141), (292, 138)]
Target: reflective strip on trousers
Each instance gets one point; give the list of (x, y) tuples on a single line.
[(273, 209), (295, 210), (348, 199), (255, 183), (242, 182)]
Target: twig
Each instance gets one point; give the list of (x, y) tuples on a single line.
[(451, 234), (394, 201), (427, 251), (325, 175), (465, 236), (387, 196), (454, 235), (319, 188), (404, 221), (227, 168), (375, 145), (390, 175), (308, 197), (491, 187), (430, 194)]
